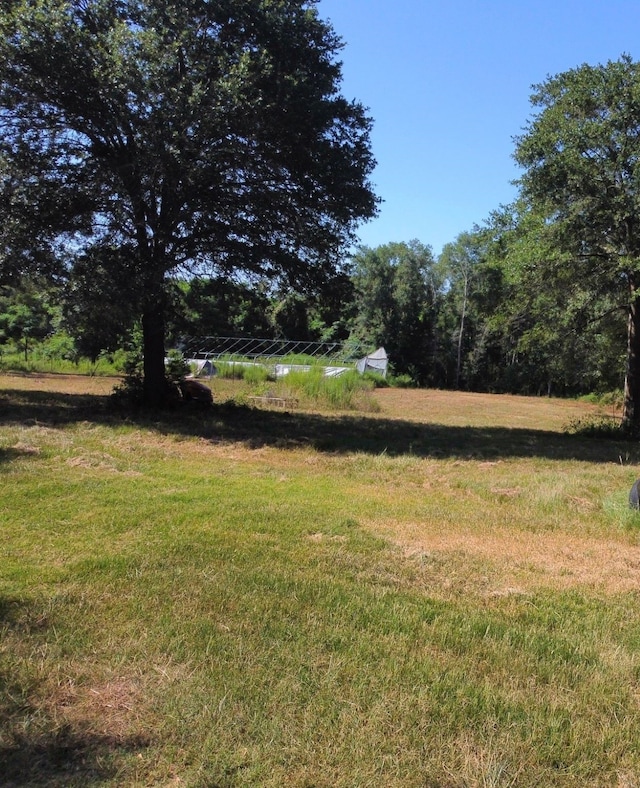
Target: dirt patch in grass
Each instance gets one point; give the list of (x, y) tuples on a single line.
[(75, 733), (523, 561), (110, 707)]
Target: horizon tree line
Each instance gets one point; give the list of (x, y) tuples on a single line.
[(467, 319)]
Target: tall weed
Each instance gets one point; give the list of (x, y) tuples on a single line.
[(349, 391), (237, 370), (255, 375)]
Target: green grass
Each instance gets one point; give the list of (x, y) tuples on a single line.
[(38, 361), (349, 391), (251, 372), (247, 597)]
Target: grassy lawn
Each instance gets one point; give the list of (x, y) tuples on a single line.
[(440, 592)]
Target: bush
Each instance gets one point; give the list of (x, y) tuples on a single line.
[(59, 346), (377, 379), (613, 399), (15, 362), (596, 427), (47, 358), (130, 391), (402, 382), (176, 366)]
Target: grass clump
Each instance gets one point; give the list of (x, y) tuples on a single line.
[(256, 375), (251, 373), (349, 391)]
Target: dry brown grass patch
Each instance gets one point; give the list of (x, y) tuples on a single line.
[(467, 408), (111, 707), (524, 561)]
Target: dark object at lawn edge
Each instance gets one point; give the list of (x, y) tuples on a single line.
[(634, 495), (194, 391)]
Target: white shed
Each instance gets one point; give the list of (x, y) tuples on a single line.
[(377, 361)]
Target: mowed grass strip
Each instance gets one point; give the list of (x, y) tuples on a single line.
[(246, 598)]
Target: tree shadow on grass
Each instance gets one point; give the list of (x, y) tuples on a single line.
[(35, 749), (8, 454), (344, 433), (61, 759)]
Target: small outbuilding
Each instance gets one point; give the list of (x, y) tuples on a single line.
[(377, 362)]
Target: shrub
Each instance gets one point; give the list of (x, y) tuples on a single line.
[(15, 361), (606, 399), (402, 382), (377, 379), (596, 427), (59, 346), (130, 391), (176, 366)]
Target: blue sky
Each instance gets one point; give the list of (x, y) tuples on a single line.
[(448, 86)]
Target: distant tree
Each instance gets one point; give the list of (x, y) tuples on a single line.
[(332, 309), (581, 160), (459, 264), (322, 316), (26, 315), (290, 317), (395, 301), (373, 275), (199, 136), (538, 333), (221, 307)]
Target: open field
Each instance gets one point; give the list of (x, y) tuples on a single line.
[(440, 593)]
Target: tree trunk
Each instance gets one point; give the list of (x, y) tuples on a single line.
[(461, 335), (631, 409), (155, 386)]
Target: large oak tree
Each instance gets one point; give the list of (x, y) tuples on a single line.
[(581, 158), (171, 135)]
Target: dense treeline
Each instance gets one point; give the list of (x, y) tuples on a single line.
[(479, 316)]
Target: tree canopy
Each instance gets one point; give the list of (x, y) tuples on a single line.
[(395, 293), (581, 160), (171, 136)]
